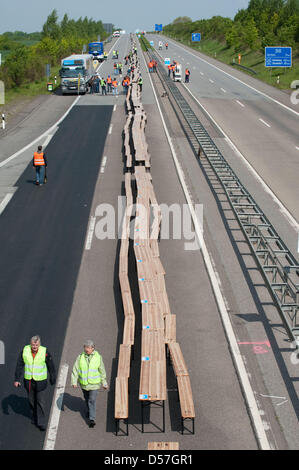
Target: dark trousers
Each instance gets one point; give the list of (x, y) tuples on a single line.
[(36, 402)]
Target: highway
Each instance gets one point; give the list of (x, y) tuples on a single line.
[(60, 280), (260, 121)]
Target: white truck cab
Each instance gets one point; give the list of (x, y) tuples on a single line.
[(178, 73)]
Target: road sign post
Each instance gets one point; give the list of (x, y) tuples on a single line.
[(278, 57)]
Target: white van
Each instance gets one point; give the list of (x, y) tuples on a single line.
[(178, 73)]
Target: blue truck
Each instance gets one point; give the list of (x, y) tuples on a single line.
[(97, 50)]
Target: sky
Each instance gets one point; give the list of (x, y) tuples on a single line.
[(30, 15)]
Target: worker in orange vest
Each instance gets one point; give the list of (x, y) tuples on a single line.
[(109, 84), (166, 45), (39, 163), (169, 70), (187, 75), (150, 66), (114, 87), (125, 84)]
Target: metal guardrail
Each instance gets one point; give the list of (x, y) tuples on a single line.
[(278, 266), (248, 69)]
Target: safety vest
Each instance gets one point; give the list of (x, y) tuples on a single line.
[(114, 83), (187, 72), (109, 80), (38, 159), (89, 372), (102, 82), (36, 368), (140, 81)]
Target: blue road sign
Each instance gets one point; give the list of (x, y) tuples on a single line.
[(196, 37), (158, 27), (278, 57)]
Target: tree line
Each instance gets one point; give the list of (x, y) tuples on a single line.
[(25, 64), (263, 23)]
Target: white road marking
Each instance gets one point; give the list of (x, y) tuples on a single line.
[(281, 403), (114, 107), (210, 80), (49, 137), (222, 89), (103, 164), (272, 396), (241, 104), (240, 81), (110, 129), (5, 201), (56, 409), (201, 73), (234, 348), (264, 122), (90, 233), (291, 220)]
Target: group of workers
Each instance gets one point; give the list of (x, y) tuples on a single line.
[(36, 364), (152, 66)]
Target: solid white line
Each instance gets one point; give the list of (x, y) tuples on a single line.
[(114, 107), (236, 354), (241, 104), (90, 233), (56, 409), (5, 201), (292, 221), (264, 122), (110, 129), (240, 81), (222, 89)]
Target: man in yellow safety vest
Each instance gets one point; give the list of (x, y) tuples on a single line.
[(36, 361), (89, 371)]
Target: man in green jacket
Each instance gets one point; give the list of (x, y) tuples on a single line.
[(89, 371)]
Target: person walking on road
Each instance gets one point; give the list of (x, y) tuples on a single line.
[(36, 361), (109, 83), (114, 87), (89, 371), (140, 83), (39, 163), (103, 86), (187, 75)]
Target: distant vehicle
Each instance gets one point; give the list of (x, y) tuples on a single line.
[(97, 50), (178, 73), (116, 34), (76, 72), (160, 45)]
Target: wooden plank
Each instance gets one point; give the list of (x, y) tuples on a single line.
[(186, 399), (121, 409), (129, 330), (163, 446), (124, 283), (152, 345), (144, 384), (158, 380), (124, 360), (170, 329), (128, 304), (151, 318), (178, 362)]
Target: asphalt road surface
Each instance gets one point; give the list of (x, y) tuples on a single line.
[(42, 236)]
